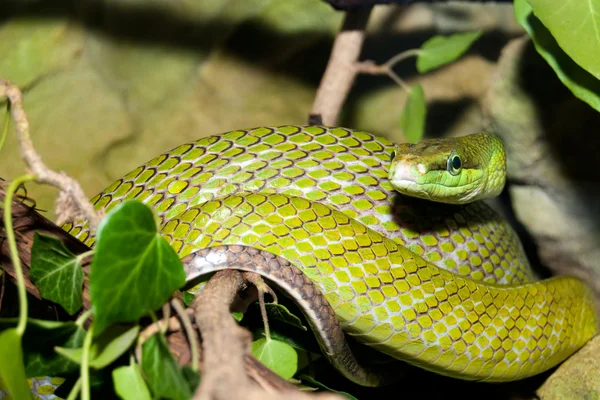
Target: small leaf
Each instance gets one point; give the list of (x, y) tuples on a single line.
[(56, 272), (134, 270), (112, 344), (238, 316), (295, 342), (281, 313), (575, 26), (188, 298), (129, 383), (580, 82), (106, 348), (12, 369), (412, 120), (72, 354), (161, 370), (38, 344), (319, 384), (278, 356), (441, 50)]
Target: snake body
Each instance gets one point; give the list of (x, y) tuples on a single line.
[(444, 287)]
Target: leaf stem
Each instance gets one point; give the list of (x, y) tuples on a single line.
[(83, 317), (6, 126), (391, 63), (14, 255), (81, 256), (75, 390), (190, 332), (85, 368), (398, 80)]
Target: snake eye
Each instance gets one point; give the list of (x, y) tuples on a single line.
[(393, 155), (454, 164)]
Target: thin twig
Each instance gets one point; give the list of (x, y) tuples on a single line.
[(189, 331), (340, 72), (262, 288), (72, 202), (387, 68), (2, 288)]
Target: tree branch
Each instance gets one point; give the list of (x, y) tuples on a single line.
[(340, 72), (72, 203), (226, 345)]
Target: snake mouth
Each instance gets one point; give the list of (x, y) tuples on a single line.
[(407, 187), (404, 176)]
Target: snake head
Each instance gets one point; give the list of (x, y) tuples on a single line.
[(454, 170)]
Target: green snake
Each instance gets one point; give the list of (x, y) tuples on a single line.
[(317, 211)]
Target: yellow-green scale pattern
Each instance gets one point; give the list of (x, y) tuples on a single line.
[(320, 198), (395, 301), (335, 166)]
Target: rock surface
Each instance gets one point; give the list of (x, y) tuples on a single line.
[(552, 151), (578, 378), (106, 93)]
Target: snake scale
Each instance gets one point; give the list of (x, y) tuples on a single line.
[(446, 287)]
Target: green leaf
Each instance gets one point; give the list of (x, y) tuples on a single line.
[(134, 270), (581, 83), (319, 384), (129, 383), (107, 347), (188, 298), (281, 313), (57, 272), (295, 342), (238, 316), (278, 356), (192, 377), (112, 344), (38, 344), (441, 50), (162, 372), (12, 369), (412, 120), (575, 25)]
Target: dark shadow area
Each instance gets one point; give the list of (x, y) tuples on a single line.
[(441, 115)]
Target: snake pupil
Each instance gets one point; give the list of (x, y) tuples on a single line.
[(456, 164)]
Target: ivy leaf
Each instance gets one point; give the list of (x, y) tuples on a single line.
[(575, 26), (281, 313), (238, 316), (192, 377), (38, 344), (412, 120), (112, 344), (580, 82), (278, 356), (134, 270), (106, 348), (56, 272), (188, 298), (129, 383), (295, 342), (162, 371), (313, 381), (12, 369), (441, 50)]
